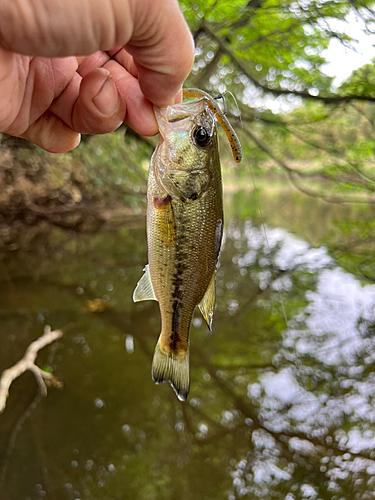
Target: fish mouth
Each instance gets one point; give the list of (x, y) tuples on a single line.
[(184, 110), (178, 112)]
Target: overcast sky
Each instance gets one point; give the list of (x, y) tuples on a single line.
[(344, 60)]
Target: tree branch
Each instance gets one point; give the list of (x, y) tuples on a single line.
[(328, 99), (28, 363), (292, 174)]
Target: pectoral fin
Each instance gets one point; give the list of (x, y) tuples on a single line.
[(207, 304), (144, 290)]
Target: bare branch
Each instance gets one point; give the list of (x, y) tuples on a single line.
[(271, 34), (201, 78), (294, 174), (359, 111), (28, 363), (328, 99)]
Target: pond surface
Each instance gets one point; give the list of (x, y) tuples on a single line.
[(281, 404)]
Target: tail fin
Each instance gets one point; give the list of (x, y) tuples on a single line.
[(174, 368)]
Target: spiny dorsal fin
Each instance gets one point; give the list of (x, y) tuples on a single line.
[(207, 304), (144, 290)]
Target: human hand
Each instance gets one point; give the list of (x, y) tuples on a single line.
[(71, 67)]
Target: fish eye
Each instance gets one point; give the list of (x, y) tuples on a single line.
[(201, 137)]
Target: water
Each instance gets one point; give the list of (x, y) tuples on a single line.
[(275, 410)]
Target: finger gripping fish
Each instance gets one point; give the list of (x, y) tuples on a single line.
[(184, 228)]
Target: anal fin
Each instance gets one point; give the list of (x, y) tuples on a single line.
[(207, 304), (144, 290)]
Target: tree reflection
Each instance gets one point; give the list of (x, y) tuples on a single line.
[(310, 413), (281, 403)]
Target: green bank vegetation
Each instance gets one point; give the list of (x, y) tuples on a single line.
[(297, 127)]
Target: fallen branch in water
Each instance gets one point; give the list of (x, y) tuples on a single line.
[(28, 363)]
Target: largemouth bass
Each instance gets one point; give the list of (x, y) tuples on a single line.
[(184, 228)]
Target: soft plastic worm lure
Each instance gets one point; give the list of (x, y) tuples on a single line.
[(221, 118)]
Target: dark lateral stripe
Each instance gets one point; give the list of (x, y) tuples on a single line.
[(175, 325)]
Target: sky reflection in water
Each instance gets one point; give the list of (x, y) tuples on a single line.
[(329, 343)]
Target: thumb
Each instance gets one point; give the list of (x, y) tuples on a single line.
[(154, 32), (163, 49)]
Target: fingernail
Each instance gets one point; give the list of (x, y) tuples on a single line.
[(107, 100)]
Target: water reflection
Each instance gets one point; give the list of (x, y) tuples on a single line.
[(315, 405), (281, 403)]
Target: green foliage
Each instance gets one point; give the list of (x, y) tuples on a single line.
[(280, 42), (113, 165), (111, 168), (361, 82), (296, 124), (270, 55)]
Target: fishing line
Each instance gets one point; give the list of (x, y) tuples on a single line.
[(257, 198), (222, 98)]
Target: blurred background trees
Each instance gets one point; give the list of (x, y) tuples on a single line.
[(298, 123), (272, 55)]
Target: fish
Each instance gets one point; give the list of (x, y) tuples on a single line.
[(184, 228)]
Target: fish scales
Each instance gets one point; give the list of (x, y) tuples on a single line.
[(184, 232), (180, 274)]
